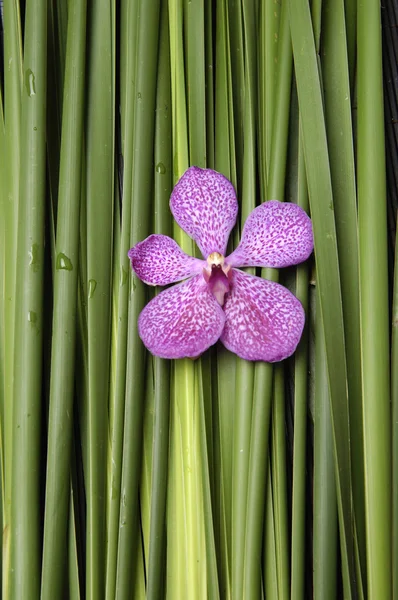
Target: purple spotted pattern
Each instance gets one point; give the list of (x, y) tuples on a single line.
[(263, 320), (204, 204), (255, 318), (275, 235), (182, 321), (159, 260)]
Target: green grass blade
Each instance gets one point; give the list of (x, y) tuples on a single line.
[(178, 97), (299, 550), (374, 300), (188, 568), (226, 361), (73, 552), (350, 8), (194, 30), (128, 62), (65, 299), (339, 129), (269, 72), (100, 143), (237, 85), (157, 546), (264, 372), (145, 486), (240, 470), (57, 19), (196, 85), (244, 369), (11, 127), (213, 590), (163, 182), (328, 275), (142, 190), (325, 532), (27, 409), (279, 484), (269, 552), (210, 21)]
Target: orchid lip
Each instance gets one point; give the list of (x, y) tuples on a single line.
[(217, 275)]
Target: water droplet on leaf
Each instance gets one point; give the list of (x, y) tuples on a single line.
[(30, 83), (160, 168), (63, 262), (32, 317), (92, 284), (123, 276), (34, 257)]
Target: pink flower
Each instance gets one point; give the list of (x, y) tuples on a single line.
[(255, 318)]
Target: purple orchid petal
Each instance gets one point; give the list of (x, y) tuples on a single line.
[(183, 321), (276, 234), (264, 321), (159, 260), (204, 204)]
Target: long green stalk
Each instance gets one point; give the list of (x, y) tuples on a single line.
[(161, 480), (142, 191), (325, 532), (237, 85), (244, 369), (226, 361), (213, 588), (27, 409), (262, 394), (73, 548), (128, 52), (299, 516), (279, 484), (196, 81), (270, 577), (13, 81), (210, 54), (57, 20), (269, 72), (339, 129), (188, 569), (100, 143), (65, 298), (328, 275), (163, 181), (374, 300), (194, 30)]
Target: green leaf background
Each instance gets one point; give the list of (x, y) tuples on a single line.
[(127, 476)]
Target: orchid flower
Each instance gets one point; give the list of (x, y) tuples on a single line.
[(255, 318)]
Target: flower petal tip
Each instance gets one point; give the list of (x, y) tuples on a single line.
[(181, 322), (204, 204), (264, 321), (276, 234), (158, 260)]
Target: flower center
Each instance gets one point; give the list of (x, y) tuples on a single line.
[(215, 258), (217, 275)]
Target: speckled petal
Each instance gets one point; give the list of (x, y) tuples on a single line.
[(276, 234), (159, 260), (183, 321), (204, 204), (264, 321)]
